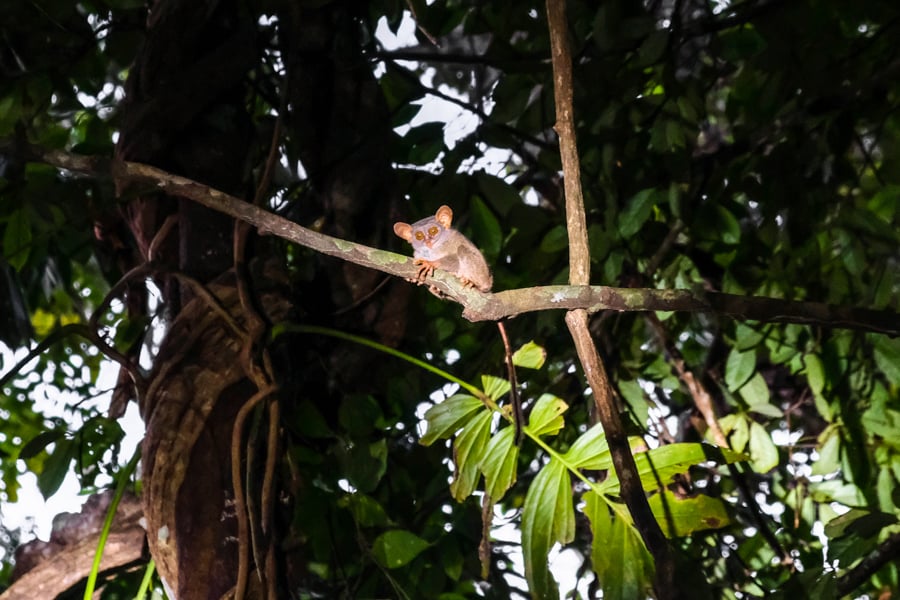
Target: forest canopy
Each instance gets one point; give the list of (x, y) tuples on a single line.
[(690, 213)]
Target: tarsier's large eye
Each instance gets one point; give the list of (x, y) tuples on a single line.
[(420, 236), (432, 231)]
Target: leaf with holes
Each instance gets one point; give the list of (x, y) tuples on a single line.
[(546, 416), (679, 517)]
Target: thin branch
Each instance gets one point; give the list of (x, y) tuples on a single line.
[(701, 396), (485, 117), (80, 329), (887, 551), (704, 403), (741, 14), (431, 56), (419, 26)]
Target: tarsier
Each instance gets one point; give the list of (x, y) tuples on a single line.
[(438, 246)]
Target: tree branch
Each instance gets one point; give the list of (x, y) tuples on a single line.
[(577, 320), (887, 551), (742, 308), (479, 306)]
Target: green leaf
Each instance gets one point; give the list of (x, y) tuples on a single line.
[(653, 47), (884, 422), (590, 450), (861, 522), (835, 490), (17, 239), (747, 338), (555, 240), (366, 511), (501, 195), (363, 464), (768, 410), (405, 115), (612, 266), (310, 422), (486, 227), (756, 394), (659, 466), (499, 463), (42, 322), (395, 548), (815, 376), (495, 387), (727, 225), (446, 418), (633, 394), (39, 442), (56, 467), (675, 136), (735, 426), (741, 42), (885, 487), (815, 373), (530, 356), (546, 416), (10, 112), (547, 518), (360, 415), (887, 357), (739, 368), (453, 562), (621, 562), (423, 143), (511, 97), (131, 330), (763, 452), (96, 437), (636, 212), (679, 517), (829, 460), (468, 450)]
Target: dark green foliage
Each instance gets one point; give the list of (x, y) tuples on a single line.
[(747, 147)]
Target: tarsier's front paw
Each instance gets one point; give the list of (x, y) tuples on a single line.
[(426, 269)]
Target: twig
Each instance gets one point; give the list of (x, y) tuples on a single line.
[(704, 403), (887, 551), (485, 117), (412, 10), (484, 546), (80, 329)]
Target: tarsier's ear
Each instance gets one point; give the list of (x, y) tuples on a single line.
[(444, 216), (403, 230)]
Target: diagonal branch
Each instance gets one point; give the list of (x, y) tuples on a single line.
[(479, 306), (887, 551)]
